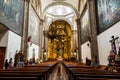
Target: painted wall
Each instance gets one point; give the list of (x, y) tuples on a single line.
[(85, 51), (30, 51), (11, 14), (14, 43), (104, 45), (4, 38)]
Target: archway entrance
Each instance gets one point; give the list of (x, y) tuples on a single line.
[(59, 40)]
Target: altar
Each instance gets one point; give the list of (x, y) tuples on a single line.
[(59, 59)]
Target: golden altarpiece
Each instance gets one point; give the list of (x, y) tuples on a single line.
[(59, 40)]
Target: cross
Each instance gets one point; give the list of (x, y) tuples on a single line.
[(113, 45)]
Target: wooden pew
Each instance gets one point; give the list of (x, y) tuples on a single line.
[(51, 65), (96, 76), (86, 78), (29, 72), (25, 72), (18, 78), (82, 72)]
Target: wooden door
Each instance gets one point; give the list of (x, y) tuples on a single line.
[(2, 56)]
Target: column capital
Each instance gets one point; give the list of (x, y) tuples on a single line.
[(41, 20), (74, 31)]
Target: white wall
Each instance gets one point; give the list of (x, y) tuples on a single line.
[(4, 38), (85, 51), (104, 45), (14, 43), (30, 51)]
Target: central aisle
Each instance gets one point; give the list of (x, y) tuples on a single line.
[(59, 73)]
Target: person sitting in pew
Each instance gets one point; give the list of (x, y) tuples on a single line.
[(20, 64), (88, 61), (11, 63), (6, 64)]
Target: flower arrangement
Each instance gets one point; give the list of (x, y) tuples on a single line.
[(114, 58), (111, 57)]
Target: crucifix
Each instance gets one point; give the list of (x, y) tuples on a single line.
[(113, 45)]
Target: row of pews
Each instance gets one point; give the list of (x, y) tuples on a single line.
[(29, 72), (84, 72)]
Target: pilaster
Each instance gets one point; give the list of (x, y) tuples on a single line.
[(93, 30), (24, 42), (41, 36), (79, 41)]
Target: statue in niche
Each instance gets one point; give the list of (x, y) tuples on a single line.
[(60, 52), (59, 47)]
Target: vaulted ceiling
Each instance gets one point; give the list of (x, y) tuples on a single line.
[(46, 3)]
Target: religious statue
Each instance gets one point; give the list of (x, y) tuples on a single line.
[(114, 57), (113, 45), (18, 57)]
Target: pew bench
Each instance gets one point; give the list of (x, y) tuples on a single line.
[(82, 72), (31, 72), (18, 78), (94, 76)]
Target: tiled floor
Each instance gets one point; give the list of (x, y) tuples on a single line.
[(59, 75)]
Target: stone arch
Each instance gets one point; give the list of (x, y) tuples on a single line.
[(37, 5), (63, 19)]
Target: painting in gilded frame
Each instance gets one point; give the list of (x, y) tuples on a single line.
[(11, 14), (34, 27), (84, 27), (108, 13)]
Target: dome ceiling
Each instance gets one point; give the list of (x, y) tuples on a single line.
[(59, 10), (45, 3)]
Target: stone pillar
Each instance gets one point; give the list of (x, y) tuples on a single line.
[(24, 42), (41, 36), (73, 42), (93, 31), (74, 38), (79, 41)]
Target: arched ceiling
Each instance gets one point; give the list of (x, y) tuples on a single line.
[(60, 10), (45, 3)]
